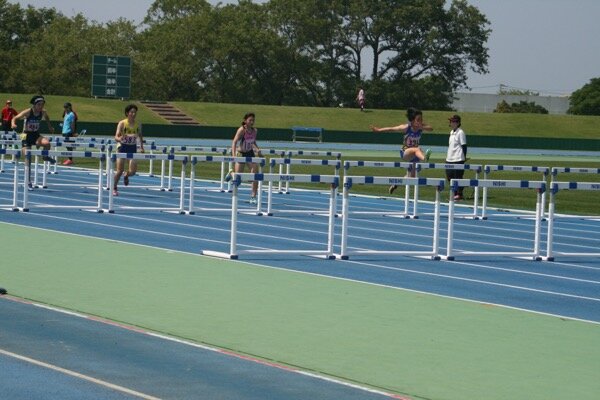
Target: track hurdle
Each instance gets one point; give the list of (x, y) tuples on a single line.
[(75, 146), (307, 153), (515, 168), (195, 150), (101, 157), (336, 164), (234, 252), (222, 159), (554, 188), (568, 170), (349, 181), (409, 166), (143, 156), (476, 168), (539, 186), (16, 154)]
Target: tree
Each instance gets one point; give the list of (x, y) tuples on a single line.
[(586, 101), (520, 107)]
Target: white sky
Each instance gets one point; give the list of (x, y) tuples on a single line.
[(548, 46)]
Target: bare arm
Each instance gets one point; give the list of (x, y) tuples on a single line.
[(236, 138), (399, 128), (20, 115), (119, 132)]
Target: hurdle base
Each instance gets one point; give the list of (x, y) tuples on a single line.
[(219, 254), (548, 258), (448, 258)]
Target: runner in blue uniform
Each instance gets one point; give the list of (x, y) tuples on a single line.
[(412, 131)]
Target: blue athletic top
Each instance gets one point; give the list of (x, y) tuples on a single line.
[(411, 138), (69, 118)]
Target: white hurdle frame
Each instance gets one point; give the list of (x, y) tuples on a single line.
[(16, 154), (101, 157), (293, 153), (260, 161), (514, 168), (234, 252), (477, 168), (5, 141), (194, 150), (349, 181), (409, 166), (336, 164), (144, 156), (568, 170), (539, 186), (554, 188)]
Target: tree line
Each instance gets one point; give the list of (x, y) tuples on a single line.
[(283, 52)]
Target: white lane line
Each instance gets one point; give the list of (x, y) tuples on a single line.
[(80, 376)]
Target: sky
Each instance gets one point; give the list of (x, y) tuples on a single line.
[(546, 46)]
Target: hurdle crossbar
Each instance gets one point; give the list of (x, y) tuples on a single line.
[(222, 159), (144, 156), (336, 164), (234, 252), (409, 166), (476, 168), (555, 187), (514, 168), (101, 157), (16, 154), (197, 150), (349, 181), (539, 186), (294, 153), (569, 170)]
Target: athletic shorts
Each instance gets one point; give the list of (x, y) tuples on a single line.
[(246, 153), (414, 160), (29, 139), (127, 148)]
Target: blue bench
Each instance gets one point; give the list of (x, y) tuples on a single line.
[(307, 133)]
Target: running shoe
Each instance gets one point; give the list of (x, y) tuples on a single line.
[(392, 188), (126, 180), (229, 176), (427, 154), (253, 200), (29, 187), (115, 192), (68, 162), (457, 197)]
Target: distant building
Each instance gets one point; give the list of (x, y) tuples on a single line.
[(480, 102)]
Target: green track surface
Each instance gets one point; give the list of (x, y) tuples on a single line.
[(417, 345)]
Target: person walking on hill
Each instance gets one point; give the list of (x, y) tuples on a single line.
[(8, 113), (129, 133), (244, 145), (457, 153), (360, 98), (412, 130)]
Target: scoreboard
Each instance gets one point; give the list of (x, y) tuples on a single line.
[(111, 76)]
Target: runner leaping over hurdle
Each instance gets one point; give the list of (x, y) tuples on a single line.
[(412, 130)]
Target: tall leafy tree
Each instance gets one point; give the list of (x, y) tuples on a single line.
[(586, 101)]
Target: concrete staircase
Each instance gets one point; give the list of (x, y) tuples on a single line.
[(170, 113)]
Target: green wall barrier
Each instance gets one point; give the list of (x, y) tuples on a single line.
[(285, 135)]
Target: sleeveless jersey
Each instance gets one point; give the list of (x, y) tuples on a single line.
[(245, 144), (130, 134), (32, 122), (411, 138)]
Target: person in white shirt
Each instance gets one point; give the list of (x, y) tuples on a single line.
[(457, 153)]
